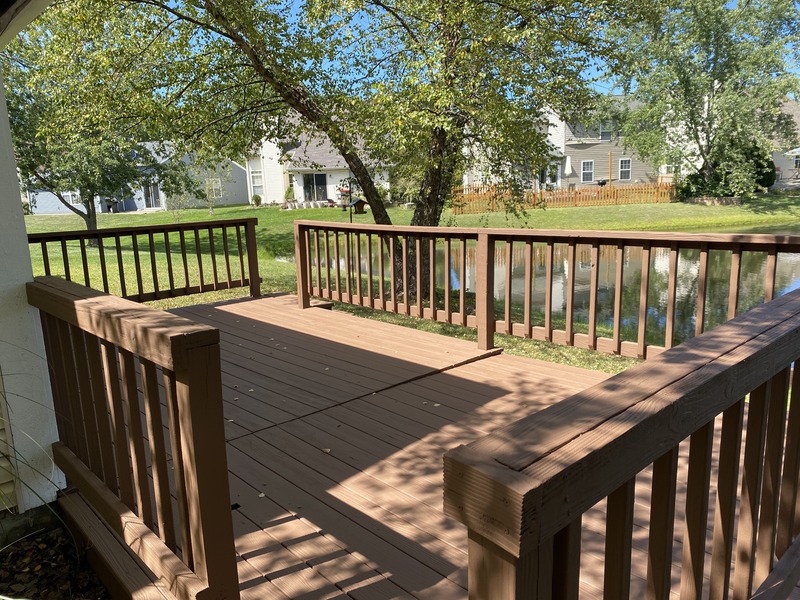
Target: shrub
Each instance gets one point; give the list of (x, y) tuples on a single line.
[(256, 200)]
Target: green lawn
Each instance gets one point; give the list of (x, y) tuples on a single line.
[(275, 236)]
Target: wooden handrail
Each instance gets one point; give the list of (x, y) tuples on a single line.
[(106, 356), (523, 489), (422, 271), (155, 261)]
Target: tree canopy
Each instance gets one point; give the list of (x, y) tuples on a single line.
[(427, 86), (707, 80)]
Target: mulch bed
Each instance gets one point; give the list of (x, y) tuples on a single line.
[(46, 566)]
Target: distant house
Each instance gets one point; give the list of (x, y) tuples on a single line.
[(787, 160), (309, 170), (584, 155), (225, 184)]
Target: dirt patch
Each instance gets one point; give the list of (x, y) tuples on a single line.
[(47, 566)]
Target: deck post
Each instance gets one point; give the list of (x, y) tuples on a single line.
[(484, 291), (252, 258), (495, 574), (301, 263)]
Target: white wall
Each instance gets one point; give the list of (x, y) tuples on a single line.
[(28, 398), (273, 174)]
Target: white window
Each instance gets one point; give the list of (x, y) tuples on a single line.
[(797, 162), (72, 197), (213, 188), (606, 132), (257, 181), (587, 171), (624, 169)]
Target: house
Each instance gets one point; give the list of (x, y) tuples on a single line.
[(584, 155), (225, 184), (308, 170), (787, 160)]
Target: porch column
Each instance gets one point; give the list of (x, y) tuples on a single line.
[(27, 422)]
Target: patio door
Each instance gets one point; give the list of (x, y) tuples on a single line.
[(315, 187), (152, 195)]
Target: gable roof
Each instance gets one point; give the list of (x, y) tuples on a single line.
[(313, 154)]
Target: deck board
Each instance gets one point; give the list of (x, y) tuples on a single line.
[(336, 429)]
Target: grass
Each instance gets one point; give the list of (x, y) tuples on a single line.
[(275, 240)]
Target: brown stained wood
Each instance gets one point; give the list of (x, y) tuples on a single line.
[(770, 487), (88, 423), (696, 514), (317, 264), (593, 285), (662, 526), (301, 257), (641, 339), (702, 280), (103, 267), (65, 259), (117, 413), (567, 561), (752, 475), (137, 262), (771, 268), (484, 303), (158, 455), (462, 279), (382, 274), (405, 267), (130, 394), (432, 277), (783, 578), (727, 496), (252, 258), (84, 263), (45, 257), (357, 270), (619, 529), (213, 253), (570, 307), (370, 283), (226, 254), (168, 253), (337, 268), (198, 256), (733, 286), (418, 288), (73, 418), (672, 288), (529, 283), (50, 330), (94, 361), (496, 575), (329, 291), (153, 266), (789, 514), (507, 328), (448, 258), (184, 258), (548, 292), (348, 267), (618, 268), (176, 451)]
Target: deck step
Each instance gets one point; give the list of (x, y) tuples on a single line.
[(123, 574)]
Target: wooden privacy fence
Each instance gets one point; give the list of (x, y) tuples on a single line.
[(153, 261), (472, 199), (707, 433), (658, 290), (138, 400)]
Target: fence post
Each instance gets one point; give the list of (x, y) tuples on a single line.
[(484, 291), (252, 258), (301, 264)]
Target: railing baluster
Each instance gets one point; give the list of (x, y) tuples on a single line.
[(227, 256), (696, 520), (84, 399), (199, 256), (317, 255), (484, 303), (618, 283), (337, 266), (672, 289), (529, 283), (392, 241), (300, 259), (432, 276), (570, 308), (158, 454), (548, 291), (567, 561), (120, 265), (789, 516), (357, 269), (508, 326), (85, 263), (593, 287), (381, 274), (771, 484), (448, 308), (168, 253), (348, 267), (329, 294), (138, 265), (462, 282), (645, 284), (116, 410), (101, 408), (769, 282), (619, 531), (702, 280), (418, 278), (733, 287), (252, 258), (45, 257), (153, 265), (185, 260), (240, 250), (752, 474), (212, 251), (406, 299), (662, 526), (370, 291), (727, 488)]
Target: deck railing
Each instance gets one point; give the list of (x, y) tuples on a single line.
[(472, 199), (154, 261), (138, 400), (707, 433), (628, 293)]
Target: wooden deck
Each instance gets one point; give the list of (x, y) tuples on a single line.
[(335, 431)]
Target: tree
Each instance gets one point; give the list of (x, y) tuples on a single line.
[(68, 137), (707, 81), (432, 85)]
